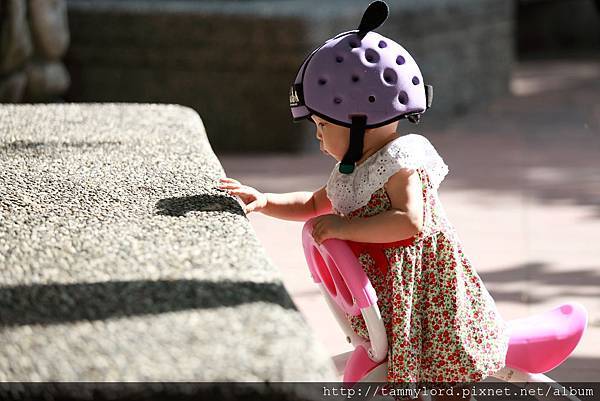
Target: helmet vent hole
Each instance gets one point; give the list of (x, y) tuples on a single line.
[(372, 99), (355, 78), (403, 97), (354, 43), (339, 59), (382, 44), (390, 76), (415, 81), (400, 60), (371, 56), (337, 100), (322, 81)]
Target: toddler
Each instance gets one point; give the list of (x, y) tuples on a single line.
[(442, 324)]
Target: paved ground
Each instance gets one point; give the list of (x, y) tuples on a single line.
[(523, 192)]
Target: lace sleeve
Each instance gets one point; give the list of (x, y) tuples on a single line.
[(414, 152), (348, 192)]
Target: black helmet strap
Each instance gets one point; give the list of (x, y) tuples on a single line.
[(355, 148)]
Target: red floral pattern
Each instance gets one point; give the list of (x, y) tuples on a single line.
[(441, 322)]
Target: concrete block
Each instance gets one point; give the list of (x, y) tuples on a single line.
[(120, 261)]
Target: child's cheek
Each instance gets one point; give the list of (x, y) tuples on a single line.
[(339, 152)]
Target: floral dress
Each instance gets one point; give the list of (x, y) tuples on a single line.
[(442, 324)]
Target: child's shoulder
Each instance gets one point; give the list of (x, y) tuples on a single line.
[(406, 152), (410, 148), (414, 151)]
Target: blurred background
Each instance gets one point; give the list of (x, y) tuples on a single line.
[(233, 61), (516, 116)]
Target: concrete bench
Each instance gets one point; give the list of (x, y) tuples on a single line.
[(119, 261)]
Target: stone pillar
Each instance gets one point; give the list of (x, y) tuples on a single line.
[(34, 36)]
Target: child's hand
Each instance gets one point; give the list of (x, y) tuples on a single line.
[(253, 199), (328, 226)]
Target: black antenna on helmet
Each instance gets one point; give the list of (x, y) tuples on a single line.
[(374, 16)]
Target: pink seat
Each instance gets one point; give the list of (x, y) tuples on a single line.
[(541, 342)]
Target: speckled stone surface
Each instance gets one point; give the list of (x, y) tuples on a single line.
[(119, 261)]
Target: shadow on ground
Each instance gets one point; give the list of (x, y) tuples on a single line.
[(60, 303), (539, 275), (577, 369)]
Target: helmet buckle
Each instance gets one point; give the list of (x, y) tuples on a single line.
[(414, 118)]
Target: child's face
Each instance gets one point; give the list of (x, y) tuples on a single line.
[(334, 139)]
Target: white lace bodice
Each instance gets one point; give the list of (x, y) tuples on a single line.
[(348, 192)]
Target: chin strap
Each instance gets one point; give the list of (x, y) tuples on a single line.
[(355, 149)]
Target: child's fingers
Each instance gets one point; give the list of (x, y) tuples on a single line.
[(237, 189), (227, 179), (229, 186), (250, 207), (320, 238), (320, 231), (239, 192), (225, 183), (316, 232), (318, 225)]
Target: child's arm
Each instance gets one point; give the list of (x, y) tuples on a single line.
[(402, 221), (299, 206)]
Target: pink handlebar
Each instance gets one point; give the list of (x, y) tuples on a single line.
[(334, 264)]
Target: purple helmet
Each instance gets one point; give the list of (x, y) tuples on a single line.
[(360, 79)]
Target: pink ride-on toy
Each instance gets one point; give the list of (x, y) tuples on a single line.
[(537, 343)]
